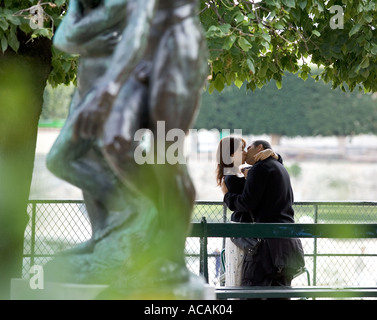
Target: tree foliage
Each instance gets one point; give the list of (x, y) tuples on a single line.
[(26, 21), (250, 42), (254, 42)]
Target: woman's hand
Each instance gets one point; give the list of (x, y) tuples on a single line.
[(245, 170), (264, 154)]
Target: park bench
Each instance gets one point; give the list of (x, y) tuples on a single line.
[(204, 230)]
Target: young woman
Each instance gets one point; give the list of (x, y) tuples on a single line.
[(231, 156)]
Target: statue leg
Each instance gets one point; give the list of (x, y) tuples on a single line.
[(129, 114), (176, 85), (82, 164)]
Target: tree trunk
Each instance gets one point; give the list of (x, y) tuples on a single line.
[(23, 78)]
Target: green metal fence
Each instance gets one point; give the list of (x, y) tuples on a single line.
[(58, 225)]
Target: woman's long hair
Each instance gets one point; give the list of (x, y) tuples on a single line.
[(226, 148)]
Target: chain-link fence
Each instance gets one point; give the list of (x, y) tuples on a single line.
[(58, 225)]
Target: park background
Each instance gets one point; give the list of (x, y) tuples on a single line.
[(251, 44), (326, 137)]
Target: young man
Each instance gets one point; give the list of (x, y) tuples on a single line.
[(268, 195)]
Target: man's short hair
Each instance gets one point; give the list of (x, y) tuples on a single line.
[(264, 143)]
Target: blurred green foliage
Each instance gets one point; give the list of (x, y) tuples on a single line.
[(17, 146)]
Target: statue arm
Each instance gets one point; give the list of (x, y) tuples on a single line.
[(130, 50), (97, 105), (61, 37), (78, 34), (98, 20)]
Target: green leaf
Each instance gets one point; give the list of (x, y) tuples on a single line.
[(214, 31), (225, 28), (365, 63), (266, 37), (219, 82), (303, 4), (239, 17), (250, 64), (59, 3), (66, 66), (3, 24), (251, 15), (263, 71), (4, 43), (374, 49), (279, 25), (365, 73), (303, 75), (13, 19), (229, 41), (12, 40), (273, 68), (238, 83), (320, 6), (355, 29), (290, 3), (244, 44), (43, 32), (316, 33)]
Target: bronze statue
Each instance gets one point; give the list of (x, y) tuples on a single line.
[(140, 62)]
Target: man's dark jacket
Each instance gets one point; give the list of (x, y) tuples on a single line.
[(267, 193)]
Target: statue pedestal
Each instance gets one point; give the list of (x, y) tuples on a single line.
[(195, 289)]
